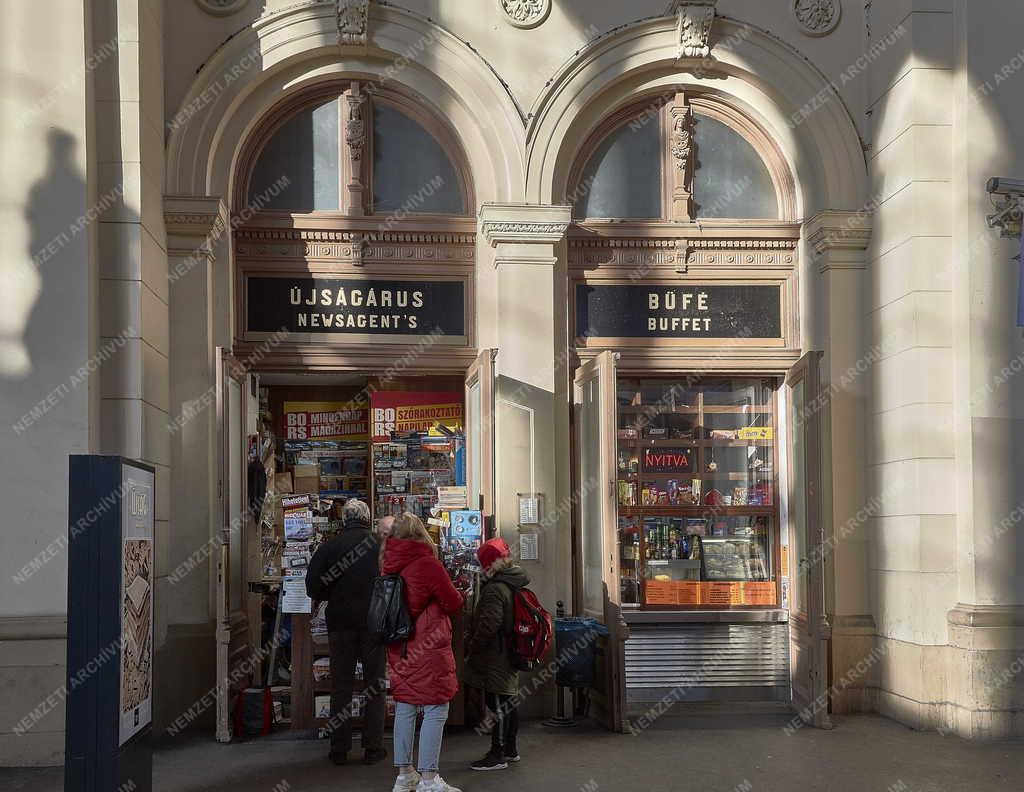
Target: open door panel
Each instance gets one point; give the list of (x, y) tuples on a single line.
[(594, 406), (809, 629), (480, 432), (234, 649)]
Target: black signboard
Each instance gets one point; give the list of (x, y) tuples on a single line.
[(668, 460), (350, 306), (686, 311)]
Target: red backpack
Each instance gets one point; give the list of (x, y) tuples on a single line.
[(532, 630)]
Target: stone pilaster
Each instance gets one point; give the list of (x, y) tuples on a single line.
[(838, 242), (196, 227), (531, 407)]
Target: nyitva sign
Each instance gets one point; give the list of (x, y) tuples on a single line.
[(350, 306), (667, 460)]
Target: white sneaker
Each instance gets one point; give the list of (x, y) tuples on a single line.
[(407, 783), (436, 785)]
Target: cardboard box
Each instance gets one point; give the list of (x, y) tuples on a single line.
[(306, 478), (283, 483)]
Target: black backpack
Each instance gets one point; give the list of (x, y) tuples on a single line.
[(388, 614)]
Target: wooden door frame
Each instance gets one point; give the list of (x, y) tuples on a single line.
[(814, 624), (230, 623), (482, 371), (602, 367)]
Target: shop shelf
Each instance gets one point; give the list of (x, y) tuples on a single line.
[(726, 409), (695, 510)]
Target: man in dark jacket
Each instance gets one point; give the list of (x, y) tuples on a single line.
[(489, 664), (341, 573)]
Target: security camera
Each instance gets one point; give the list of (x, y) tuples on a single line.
[(999, 186), (1010, 205)]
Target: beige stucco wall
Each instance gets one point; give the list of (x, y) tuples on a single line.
[(927, 304), (47, 332)]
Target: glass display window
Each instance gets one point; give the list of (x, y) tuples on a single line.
[(696, 479)]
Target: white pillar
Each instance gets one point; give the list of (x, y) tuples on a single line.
[(194, 227), (839, 241), (531, 406)]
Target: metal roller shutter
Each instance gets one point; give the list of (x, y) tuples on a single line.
[(699, 662)]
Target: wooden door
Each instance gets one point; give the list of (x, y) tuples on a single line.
[(480, 432), (234, 644), (810, 632), (594, 418)]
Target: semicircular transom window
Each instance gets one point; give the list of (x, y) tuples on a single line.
[(411, 171), (674, 162), (317, 161), (299, 169), (730, 180), (622, 178)]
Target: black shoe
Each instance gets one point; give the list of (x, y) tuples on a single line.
[(374, 755), (511, 753), (338, 758), (493, 761)]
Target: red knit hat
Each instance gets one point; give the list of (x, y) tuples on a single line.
[(490, 551)]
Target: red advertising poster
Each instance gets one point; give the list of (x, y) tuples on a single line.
[(408, 411), (345, 421)]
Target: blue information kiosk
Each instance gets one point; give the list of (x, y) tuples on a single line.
[(110, 625)]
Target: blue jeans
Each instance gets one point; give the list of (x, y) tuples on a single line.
[(434, 717)]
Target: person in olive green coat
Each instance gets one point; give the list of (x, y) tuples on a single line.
[(489, 661)]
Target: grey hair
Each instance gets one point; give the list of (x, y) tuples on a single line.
[(355, 509)]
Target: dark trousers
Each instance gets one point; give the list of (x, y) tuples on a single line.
[(347, 646), (505, 710)]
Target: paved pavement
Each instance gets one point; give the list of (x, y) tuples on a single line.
[(709, 753)]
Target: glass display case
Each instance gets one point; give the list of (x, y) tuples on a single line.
[(696, 486)]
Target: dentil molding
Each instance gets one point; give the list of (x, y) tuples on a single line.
[(524, 223), (817, 17), (525, 13), (355, 247)]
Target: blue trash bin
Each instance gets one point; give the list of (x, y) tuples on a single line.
[(575, 650)]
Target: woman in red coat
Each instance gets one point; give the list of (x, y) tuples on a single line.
[(422, 670)]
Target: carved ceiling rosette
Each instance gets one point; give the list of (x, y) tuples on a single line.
[(525, 13), (817, 17), (221, 7)]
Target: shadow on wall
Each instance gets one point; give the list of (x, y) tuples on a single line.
[(46, 282), (58, 251)]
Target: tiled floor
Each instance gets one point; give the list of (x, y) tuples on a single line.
[(709, 753)]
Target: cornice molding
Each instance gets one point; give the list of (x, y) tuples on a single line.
[(33, 628), (837, 230), (192, 216), (357, 247), (682, 253), (524, 223), (986, 616)]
